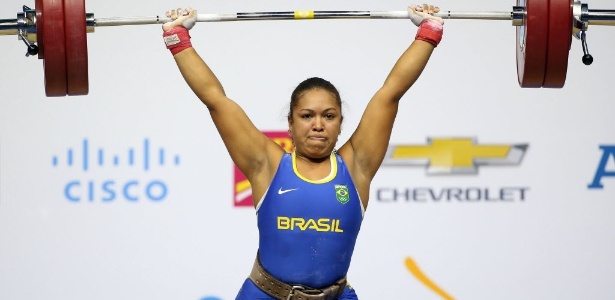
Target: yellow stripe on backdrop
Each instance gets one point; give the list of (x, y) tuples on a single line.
[(416, 271)]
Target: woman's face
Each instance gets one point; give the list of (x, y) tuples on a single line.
[(315, 123)]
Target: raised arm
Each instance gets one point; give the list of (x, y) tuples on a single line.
[(248, 147), (368, 144)]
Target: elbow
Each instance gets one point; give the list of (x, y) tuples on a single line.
[(210, 98), (392, 92)]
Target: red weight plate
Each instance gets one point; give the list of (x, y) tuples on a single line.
[(55, 49), (532, 39), (76, 47), (39, 29), (560, 38)]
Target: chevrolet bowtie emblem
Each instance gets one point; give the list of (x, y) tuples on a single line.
[(454, 155)]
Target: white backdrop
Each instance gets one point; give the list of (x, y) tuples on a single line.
[(169, 229)]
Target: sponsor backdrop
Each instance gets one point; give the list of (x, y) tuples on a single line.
[(488, 191)]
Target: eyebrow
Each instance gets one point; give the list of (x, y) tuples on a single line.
[(311, 110)]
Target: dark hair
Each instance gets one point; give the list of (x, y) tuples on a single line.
[(310, 84)]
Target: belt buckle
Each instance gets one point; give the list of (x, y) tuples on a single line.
[(292, 291)]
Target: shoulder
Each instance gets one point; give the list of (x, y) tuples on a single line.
[(346, 154)]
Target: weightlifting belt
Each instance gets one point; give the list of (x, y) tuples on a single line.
[(283, 291)]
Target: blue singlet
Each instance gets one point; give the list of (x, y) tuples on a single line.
[(308, 228)]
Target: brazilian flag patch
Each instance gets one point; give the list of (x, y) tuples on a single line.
[(341, 193)]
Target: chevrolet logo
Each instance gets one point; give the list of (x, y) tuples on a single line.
[(453, 155)]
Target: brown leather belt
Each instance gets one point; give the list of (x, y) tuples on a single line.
[(284, 291)]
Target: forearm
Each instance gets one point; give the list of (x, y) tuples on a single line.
[(408, 68), (200, 78), (412, 62)]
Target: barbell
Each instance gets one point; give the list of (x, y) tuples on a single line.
[(56, 31)]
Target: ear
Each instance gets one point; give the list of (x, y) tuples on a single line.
[(290, 124)]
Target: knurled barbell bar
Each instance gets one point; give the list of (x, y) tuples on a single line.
[(56, 30)]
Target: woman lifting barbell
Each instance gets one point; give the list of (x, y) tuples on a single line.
[(311, 201)]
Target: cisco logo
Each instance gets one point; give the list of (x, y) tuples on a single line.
[(103, 173)]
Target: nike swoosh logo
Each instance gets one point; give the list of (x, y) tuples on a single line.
[(281, 191)]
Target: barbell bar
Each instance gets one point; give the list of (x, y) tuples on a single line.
[(56, 30)]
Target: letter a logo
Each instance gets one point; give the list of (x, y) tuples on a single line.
[(607, 151)]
